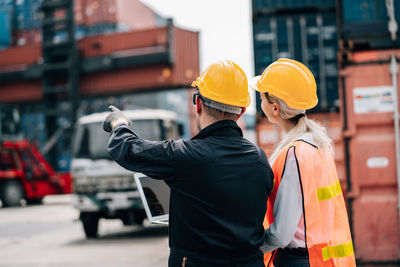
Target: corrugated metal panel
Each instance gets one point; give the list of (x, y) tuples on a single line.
[(368, 105), (182, 71), (5, 28), (126, 80), (291, 4), (309, 38), (30, 37), (106, 44), (365, 23), (186, 56), (89, 12), (20, 56), (21, 92)]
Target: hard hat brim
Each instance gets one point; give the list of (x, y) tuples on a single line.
[(253, 83)]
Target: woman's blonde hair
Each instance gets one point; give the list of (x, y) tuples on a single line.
[(302, 125)]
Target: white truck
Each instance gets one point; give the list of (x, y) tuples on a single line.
[(104, 189)]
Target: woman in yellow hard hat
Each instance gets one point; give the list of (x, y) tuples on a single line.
[(306, 222)]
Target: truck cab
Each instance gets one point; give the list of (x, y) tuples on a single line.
[(103, 188)]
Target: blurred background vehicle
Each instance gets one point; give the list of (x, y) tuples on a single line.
[(103, 188), (26, 175)]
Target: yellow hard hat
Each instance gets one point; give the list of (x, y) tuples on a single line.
[(224, 82), (290, 81)]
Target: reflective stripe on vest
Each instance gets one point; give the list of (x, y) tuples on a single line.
[(339, 251), (330, 191), (327, 237)]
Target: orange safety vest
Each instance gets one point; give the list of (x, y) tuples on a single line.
[(327, 232)]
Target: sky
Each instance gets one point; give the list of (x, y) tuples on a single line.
[(225, 28)]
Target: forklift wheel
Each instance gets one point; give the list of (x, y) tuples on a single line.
[(11, 194), (35, 201), (90, 222)]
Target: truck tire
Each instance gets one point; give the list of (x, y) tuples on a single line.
[(90, 222), (140, 215), (35, 201), (11, 194)]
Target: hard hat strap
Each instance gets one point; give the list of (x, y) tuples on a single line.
[(220, 106)]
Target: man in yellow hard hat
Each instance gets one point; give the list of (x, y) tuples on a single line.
[(218, 179)]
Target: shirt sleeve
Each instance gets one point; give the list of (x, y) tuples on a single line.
[(156, 159), (287, 208)]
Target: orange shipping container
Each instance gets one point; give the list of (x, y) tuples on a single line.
[(367, 101)]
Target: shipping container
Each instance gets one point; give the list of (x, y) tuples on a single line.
[(5, 28), (177, 48), (364, 24), (27, 14), (30, 37), (366, 92), (92, 17), (135, 15), (89, 12), (310, 38), (292, 5)]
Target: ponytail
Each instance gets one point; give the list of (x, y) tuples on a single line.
[(302, 125)]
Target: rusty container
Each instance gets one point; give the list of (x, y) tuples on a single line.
[(367, 109), (182, 45)]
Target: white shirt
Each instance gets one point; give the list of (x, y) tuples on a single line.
[(287, 230)]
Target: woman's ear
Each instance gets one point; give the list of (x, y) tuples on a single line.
[(276, 109)]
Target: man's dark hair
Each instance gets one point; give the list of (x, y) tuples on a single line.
[(219, 114)]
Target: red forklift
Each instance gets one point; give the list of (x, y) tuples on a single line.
[(26, 175)]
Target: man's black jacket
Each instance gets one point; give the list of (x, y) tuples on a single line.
[(219, 184)]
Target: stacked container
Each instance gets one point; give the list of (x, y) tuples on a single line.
[(357, 32), (301, 30), (368, 54), (20, 20), (368, 101), (305, 31)]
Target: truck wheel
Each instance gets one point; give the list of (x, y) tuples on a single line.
[(140, 215), (35, 201), (11, 194), (90, 222)]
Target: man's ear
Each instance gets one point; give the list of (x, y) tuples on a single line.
[(199, 105), (243, 111)]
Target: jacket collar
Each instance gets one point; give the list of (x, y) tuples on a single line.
[(224, 127)]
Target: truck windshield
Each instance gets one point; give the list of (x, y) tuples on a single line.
[(91, 140)]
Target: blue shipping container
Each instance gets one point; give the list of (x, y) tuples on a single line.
[(366, 23), (309, 38), (5, 28), (291, 4), (27, 14)]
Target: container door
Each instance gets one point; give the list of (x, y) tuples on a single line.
[(368, 103)]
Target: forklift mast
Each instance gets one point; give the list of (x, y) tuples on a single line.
[(60, 70)]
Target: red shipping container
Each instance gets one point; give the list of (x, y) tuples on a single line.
[(27, 38), (183, 70), (367, 101), (89, 12)]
